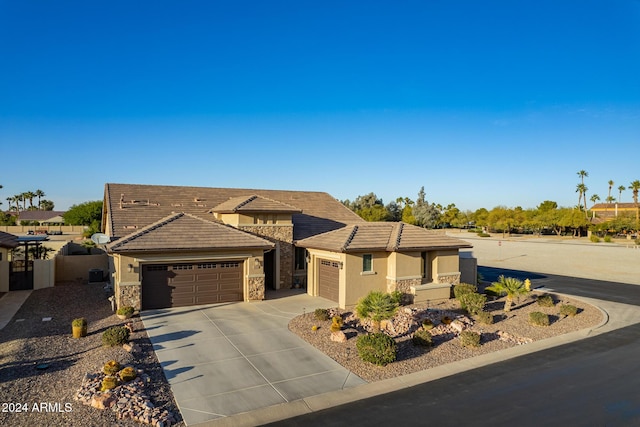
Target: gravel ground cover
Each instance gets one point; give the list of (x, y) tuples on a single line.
[(509, 329), (45, 397)]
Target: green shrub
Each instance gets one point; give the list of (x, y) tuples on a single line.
[(470, 339), (484, 234), (568, 310), (446, 320), (546, 301), (127, 310), (473, 302), (607, 239), (115, 335), (377, 348), (594, 238), (464, 289), (111, 367), (321, 314), (484, 317), (422, 338), (397, 297), (539, 319)]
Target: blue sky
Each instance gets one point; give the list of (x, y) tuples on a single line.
[(482, 103)]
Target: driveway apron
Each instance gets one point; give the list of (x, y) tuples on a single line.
[(226, 359)]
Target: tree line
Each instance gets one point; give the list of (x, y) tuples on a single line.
[(18, 203), (546, 218)]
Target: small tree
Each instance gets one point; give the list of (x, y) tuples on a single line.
[(509, 286), (377, 306)]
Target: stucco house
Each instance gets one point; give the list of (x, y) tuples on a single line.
[(609, 211), (42, 217), (180, 246)]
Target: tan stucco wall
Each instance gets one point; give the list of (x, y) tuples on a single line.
[(236, 219), (76, 267), (444, 262), (44, 273), (359, 283)]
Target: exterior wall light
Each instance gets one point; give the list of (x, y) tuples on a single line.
[(130, 268), (257, 263)]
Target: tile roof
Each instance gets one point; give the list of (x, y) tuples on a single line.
[(186, 232), (132, 205), (382, 236), (254, 203), (612, 206), (38, 215), (8, 240)]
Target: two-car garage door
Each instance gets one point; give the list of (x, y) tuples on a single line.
[(184, 284)]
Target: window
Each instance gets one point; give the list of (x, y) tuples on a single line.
[(300, 261), (423, 265), (367, 262)]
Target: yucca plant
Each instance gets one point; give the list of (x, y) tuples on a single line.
[(509, 286), (377, 306)]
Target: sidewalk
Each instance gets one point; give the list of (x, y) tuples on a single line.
[(10, 303)]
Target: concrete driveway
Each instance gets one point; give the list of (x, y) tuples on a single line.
[(227, 359)]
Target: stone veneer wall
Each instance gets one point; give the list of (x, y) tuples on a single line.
[(256, 288), (129, 294), (451, 278), (282, 235), (402, 285)]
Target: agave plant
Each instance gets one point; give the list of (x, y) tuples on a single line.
[(509, 286)]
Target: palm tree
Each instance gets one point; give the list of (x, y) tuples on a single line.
[(16, 202), (580, 189), (635, 187), (610, 187), (29, 195), (584, 174), (509, 286), (377, 306), (594, 198), (621, 188), (39, 194)]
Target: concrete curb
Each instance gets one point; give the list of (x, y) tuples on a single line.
[(336, 398)]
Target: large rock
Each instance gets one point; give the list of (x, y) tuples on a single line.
[(338, 336), (102, 401)]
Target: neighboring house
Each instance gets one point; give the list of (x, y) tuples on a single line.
[(42, 217), (180, 246), (7, 243), (608, 211)]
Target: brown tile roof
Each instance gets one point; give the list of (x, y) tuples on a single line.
[(382, 236), (38, 215), (132, 205), (186, 232), (254, 203), (612, 206), (8, 240)]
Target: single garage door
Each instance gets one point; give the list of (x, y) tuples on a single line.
[(328, 280), (184, 284)]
